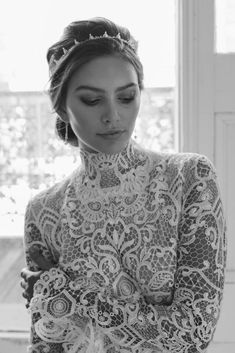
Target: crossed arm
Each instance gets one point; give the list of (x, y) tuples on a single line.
[(187, 325)]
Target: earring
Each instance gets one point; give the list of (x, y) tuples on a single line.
[(135, 135), (66, 137)]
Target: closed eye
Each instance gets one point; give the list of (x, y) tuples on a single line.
[(90, 102), (127, 100), (95, 101)]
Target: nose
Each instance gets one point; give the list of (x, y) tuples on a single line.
[(110, 115)]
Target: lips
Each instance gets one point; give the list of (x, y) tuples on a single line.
[(111, 132)]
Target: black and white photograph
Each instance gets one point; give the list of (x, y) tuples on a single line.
[(117, 170)]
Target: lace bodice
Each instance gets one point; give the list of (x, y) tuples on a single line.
[(139, 243)]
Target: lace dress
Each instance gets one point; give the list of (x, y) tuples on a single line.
[(140, 247)]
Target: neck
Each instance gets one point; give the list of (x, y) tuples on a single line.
[(102, 160)]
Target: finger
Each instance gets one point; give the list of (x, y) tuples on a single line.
[(23, 272), (23, 284), (27, 274), (25, 295), (39, 259)]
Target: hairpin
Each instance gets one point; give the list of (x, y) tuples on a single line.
[(131, 43)]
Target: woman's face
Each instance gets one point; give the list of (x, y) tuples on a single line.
[(103, 100)]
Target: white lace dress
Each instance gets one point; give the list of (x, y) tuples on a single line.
[(140, 247)]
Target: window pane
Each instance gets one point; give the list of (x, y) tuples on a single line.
[(30, 153), (225, 26)]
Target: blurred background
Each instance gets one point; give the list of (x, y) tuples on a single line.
[(31, 156)]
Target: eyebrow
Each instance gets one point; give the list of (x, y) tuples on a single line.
[(96, 89)]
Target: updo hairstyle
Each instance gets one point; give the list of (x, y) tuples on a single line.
[(62, 66)]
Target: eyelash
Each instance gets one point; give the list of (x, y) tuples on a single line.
[(93, 102)]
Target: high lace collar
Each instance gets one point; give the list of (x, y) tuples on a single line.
[(123, 171), (95, 163)]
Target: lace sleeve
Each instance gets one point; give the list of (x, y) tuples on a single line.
[(32, 238), (123, 314)]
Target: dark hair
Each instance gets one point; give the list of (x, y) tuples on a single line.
[(87, 50)]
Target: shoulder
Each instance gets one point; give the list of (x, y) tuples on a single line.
[(188, 167), (50, 198), (194, 165), (185, 163), (196, 173)]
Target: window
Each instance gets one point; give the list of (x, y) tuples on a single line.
[(30, 153), (225, 26)]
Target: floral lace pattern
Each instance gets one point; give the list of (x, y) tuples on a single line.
[(139, 240)]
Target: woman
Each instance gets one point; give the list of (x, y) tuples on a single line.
[(133, 241)]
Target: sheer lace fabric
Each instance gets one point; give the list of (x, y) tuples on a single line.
[(139, 243)]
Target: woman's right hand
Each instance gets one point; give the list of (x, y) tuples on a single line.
[(29, 278)]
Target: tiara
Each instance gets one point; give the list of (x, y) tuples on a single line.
[(76, 43)]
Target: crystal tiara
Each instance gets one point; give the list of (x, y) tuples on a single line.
[(131, 43)]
